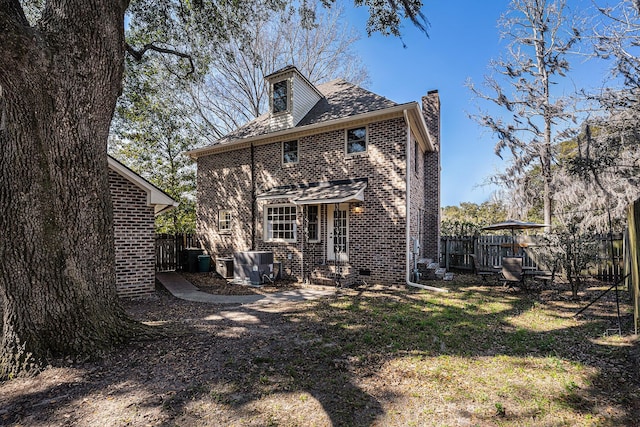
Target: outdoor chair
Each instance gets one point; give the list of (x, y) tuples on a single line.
[(512, 272), (480, 272), (547, 276)]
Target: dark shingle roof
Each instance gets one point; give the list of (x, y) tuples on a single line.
[(281, 70), (341, 99), (258, 126), (306, 194)]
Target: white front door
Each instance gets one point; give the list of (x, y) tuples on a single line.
[(338, 233)]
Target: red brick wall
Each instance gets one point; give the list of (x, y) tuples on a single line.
[(134, 238)]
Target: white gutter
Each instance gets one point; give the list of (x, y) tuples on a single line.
[(408, 217)]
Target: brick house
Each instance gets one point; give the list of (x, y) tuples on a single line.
[(336, 181), (136, 202)]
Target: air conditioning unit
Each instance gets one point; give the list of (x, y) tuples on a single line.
[(224, 267), (253, 267)]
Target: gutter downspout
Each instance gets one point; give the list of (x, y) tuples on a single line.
[(408, 217), (253, 198)]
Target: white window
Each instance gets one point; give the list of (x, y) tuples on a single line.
[(280, 97), (280, 223), (312, 217), (356, 140), (289, 152), (224, 221)]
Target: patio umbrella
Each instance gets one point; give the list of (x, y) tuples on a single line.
[(514, 224)]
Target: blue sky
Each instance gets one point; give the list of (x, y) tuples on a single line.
[(463, 38)]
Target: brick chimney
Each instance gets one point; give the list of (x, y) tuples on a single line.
[(431, 219), (431, 113)]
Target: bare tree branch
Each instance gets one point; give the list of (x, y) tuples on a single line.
[(234, 92), (139, 53), (604, 170)]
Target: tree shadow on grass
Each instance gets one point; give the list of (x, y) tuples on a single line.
[(310, 363), (227, 358)]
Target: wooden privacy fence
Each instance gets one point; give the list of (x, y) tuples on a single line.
[(633, 260), (491, 249), (607, 267), (169, 250)]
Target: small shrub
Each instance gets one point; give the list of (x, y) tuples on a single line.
[(500, 410), (571, 251)]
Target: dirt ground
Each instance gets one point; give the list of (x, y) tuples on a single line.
[(214, 284), (278, 365)]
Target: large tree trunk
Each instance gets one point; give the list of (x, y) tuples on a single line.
[(60, 82)]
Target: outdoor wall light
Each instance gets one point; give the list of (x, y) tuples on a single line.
[(358, 209)]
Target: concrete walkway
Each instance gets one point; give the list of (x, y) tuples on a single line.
[(180, 288)]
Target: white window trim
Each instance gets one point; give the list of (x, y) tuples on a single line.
[(224, 230), (265, 223), (331, 255), (366, 142), (286, 110), (297, 152), (319, 224)]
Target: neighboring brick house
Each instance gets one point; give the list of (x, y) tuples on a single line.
[(326, 181), (135, 204)]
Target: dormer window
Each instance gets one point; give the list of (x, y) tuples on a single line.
[(280, 96), (291, 97)]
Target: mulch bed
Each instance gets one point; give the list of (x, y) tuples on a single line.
[(212, 283)]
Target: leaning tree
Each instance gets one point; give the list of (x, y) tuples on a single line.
[(60, 75)]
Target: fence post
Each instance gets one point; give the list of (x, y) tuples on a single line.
[(446, 253)]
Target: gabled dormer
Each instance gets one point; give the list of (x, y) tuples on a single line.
[(291, 97)]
